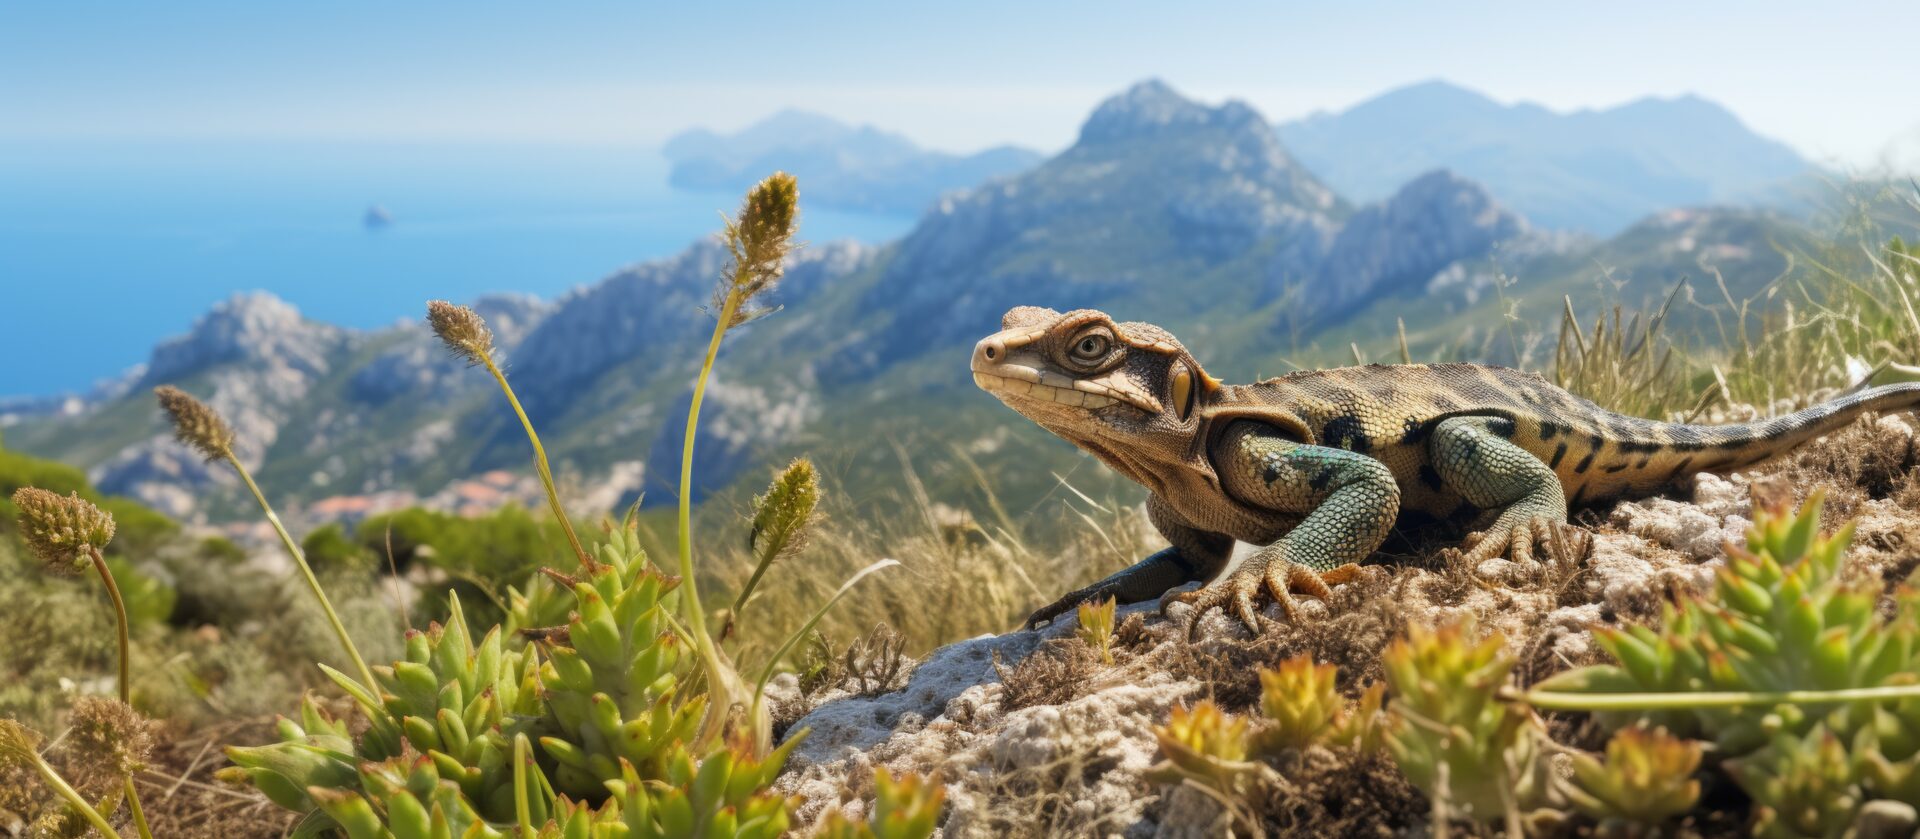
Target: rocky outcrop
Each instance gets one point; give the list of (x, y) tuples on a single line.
[(642, 310), (1030, 746), (1157, 184), (253, 358), (1397, 246), (418, 365), (257, 329)]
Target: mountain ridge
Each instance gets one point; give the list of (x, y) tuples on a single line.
[(1596, 170), (1193, 216), (845, 166)]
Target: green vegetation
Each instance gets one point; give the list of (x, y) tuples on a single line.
[(1788, 672), (575, 686), (644, 725)]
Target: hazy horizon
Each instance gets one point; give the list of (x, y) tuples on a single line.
[(999, 73), (155, 159)]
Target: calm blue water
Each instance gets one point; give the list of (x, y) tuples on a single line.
[(106, 250)]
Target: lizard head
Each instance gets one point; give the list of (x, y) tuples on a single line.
[(1089, 379)]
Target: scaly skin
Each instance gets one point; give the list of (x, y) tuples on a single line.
[(1319, 467)]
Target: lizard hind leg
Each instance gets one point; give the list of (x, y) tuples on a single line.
[(1473, 458)]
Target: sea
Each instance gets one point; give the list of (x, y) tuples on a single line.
[(109, 248)]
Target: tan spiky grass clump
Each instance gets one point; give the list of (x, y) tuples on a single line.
[(61, 531), (960, 576), (196, 424)]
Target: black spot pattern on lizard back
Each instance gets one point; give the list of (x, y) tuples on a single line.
[(1346, 432), (1414, 431)]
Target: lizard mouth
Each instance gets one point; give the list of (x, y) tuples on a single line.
[(1013, 380)]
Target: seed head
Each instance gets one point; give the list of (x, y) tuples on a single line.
[(462, 329), (783, 518), (195, 423), (19, 745), (760, 239), (59, 530), (767, 221), (109, 738)]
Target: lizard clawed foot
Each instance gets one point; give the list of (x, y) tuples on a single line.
[(1514, 535), (1274, 577)]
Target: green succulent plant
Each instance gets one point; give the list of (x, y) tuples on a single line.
[(613, 677), (635, 742), (1647, 779), (404, 798), (1802, 786), (723, 796), (1792, 667), (1781, 617), (451, 702), (1208, 747), (1449, 730), (906, 807)]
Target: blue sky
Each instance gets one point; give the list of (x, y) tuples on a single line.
[(1833, 79)]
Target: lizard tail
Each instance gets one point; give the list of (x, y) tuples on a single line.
[(1748, 443)]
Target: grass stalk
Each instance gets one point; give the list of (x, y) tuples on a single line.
[(540, 463), (1572, 701), (73, 798), (766, 675), (126, 679), (719, 675), (306, 571)]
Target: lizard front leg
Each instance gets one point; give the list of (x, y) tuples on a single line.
[(1349, 500), (1193, 554), (1472, 456)]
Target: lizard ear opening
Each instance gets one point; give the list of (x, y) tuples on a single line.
[(1182, 391)]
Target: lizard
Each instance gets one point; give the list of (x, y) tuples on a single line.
[(1316, 468)]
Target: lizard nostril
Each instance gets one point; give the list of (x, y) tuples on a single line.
[(990, 353)]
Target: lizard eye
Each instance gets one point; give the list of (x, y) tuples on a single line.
[(1091, 347), (1182, 392)]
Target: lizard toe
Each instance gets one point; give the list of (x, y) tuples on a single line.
[(1520, 544), (1243, 604), (1486, 545), (1513, 537), (1278, 588)]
